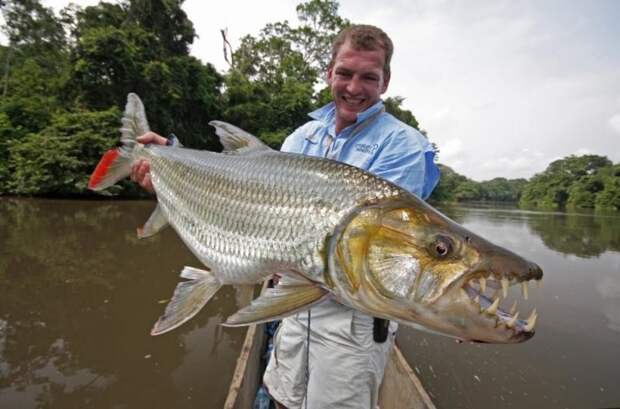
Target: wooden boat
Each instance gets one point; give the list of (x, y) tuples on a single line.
[(401, 388)]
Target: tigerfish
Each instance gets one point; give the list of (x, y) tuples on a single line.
[(330, 229)]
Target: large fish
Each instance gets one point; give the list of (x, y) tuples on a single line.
[(332, 230)]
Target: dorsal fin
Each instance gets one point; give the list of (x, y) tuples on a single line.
[(234, 139)]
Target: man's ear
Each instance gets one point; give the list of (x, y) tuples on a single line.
[(386, 82), (329, 74)]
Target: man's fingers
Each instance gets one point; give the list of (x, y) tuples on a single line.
[(139, 171), (147, 184), (151, 137), (143, 171), (134, 172)]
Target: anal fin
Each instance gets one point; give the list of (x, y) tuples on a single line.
[(276, 303), (156, 222), (189, 297)]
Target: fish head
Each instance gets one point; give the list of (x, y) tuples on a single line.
[(406, 261)]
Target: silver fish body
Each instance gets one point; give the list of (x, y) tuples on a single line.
[(247, 216), (332, 230)]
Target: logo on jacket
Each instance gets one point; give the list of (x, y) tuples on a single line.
[(366, 148)]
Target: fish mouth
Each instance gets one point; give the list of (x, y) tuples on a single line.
[(493, 296)]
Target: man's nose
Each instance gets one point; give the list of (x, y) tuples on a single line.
[(354, 86)]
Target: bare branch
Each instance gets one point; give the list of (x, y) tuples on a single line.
[(227, 47)]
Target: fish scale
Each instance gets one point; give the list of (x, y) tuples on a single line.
[(241, 216)]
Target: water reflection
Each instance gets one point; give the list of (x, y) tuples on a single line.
[(79, 294), (609, 289), (580, 234)]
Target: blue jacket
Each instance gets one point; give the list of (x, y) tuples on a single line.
[(382, 145)]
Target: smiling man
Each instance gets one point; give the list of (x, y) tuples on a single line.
[(348, 350)]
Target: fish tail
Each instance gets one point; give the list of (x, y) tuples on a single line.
[(116, 163), (189, 297)]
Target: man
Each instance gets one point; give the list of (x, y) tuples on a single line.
[(345, 362)]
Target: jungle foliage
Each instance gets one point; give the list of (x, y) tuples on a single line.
[(575, 182), (65, 78), (454, 187)]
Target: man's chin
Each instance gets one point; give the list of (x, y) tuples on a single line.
[(349, 114)]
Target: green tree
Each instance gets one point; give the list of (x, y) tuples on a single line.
[(270, 84), (5, 131), (393, 105), (33, 32), (552, 188), (447, 186), (468, 191), (59, 159), (35, 65), (502, 189), (142, 46), (609, 197)]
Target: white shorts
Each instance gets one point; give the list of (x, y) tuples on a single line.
[(346, 364)]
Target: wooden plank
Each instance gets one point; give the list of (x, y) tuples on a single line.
[(248, 372), (401, 388)]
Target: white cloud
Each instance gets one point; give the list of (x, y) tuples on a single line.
[(519, 164), (583, 151), (451, 149), (614, 122)]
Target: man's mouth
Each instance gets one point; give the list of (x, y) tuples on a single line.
[(354, 102)]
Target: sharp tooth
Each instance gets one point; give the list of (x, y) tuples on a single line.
[(524, 289), (493, 307), (505, 287), (539, 283), (512, 321), (483, 284), (531, 321), (533, 315), (477, 299), (463, 293), (513, 309)]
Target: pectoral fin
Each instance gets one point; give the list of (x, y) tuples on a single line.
[(189, 297), (276, 303)]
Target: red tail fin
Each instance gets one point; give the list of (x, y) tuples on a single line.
[(102, 168)]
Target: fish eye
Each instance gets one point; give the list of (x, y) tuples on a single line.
[(441, 247)]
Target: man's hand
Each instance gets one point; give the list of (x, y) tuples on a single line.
[(140, 171)]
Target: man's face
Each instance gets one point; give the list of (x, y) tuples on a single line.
[(357, 81)]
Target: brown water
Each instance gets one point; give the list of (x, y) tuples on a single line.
[(573, 361), (79, 293)]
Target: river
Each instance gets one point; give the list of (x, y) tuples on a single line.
[(79, 294)]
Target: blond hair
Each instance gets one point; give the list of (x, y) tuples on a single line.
[(366, 38)]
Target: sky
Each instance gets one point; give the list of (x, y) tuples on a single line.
[(502, 87)]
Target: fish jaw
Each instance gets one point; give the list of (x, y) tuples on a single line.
[(405, 261)]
